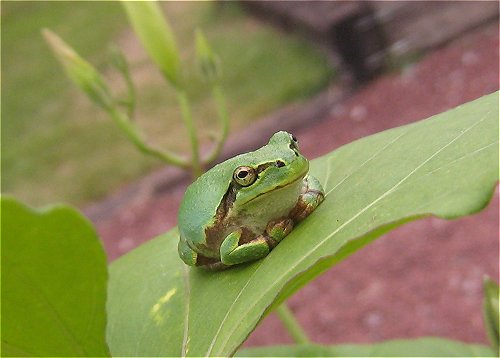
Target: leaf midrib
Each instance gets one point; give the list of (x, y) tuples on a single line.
[(187, 293)]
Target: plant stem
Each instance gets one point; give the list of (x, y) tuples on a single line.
[(131, 94), (188, 121), (292, 325), (133, 135), (220, 103)]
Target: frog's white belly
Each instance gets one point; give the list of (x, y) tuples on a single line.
[(257, 213)]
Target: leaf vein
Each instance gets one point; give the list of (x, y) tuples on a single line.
[(374, 155), (462, 157)]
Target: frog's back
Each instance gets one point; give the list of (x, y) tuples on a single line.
[(201, 200)]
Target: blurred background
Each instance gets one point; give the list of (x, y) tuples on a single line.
[(57, 146), (330, 72)]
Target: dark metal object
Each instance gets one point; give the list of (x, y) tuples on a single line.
[(365, 37)]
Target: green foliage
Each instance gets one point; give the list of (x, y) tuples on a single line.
[(421, 347), (445, 166), (89, 81), (155, 34), (490, 312), (53, 283), (54, 275)]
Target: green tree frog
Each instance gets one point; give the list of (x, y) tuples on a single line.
[(239, 210)]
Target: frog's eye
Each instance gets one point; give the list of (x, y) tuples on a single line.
[(244, 176)]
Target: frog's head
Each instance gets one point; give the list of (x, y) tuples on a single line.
[(276, 165)]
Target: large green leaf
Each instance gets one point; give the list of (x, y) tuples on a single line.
[(421, 347), (445, 166), (53, 283)]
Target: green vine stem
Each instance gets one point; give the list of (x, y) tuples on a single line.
[(196, 168), (131, 100), (132, 134), (119, 62), (223, 116), (292, 325)]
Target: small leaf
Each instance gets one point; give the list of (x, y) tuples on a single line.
[(156, 36), (490, 312), (445, 166), (421, 347), (82, 73), (118, 59), (53, 283)]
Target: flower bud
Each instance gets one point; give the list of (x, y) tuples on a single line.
[(82, 73), (156, 36)]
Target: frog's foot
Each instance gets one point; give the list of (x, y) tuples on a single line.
[(192, 258), (276, 230), (232, 252), (311, 196)]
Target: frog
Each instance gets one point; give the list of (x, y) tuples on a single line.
[(241, 209)]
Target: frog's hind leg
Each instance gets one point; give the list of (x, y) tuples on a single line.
[(232, 252), (312, 194), (192, 258)]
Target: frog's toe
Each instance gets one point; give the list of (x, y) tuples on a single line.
[(311, 183), (306, 204), (278, 229)]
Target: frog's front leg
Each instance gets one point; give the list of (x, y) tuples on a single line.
[(232, 252), (312, 194)]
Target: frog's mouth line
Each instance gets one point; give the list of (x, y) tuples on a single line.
[(277, 188)]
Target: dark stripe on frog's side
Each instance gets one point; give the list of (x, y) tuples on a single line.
[(226, 202), (230, 196)]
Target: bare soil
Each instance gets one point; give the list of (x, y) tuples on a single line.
[(423, 279)]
